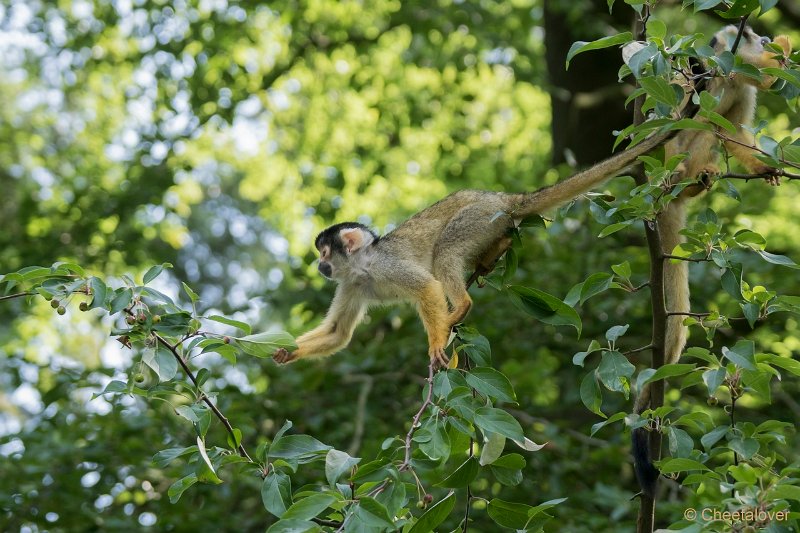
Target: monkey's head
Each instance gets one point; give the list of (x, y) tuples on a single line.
[(339, 245), (754, 49)]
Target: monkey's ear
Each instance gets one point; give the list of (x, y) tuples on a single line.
[(784, 42), (355, 238)]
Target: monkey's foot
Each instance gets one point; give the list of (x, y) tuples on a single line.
[(706, 176), (438, 357), (771, 175), (283, 356)]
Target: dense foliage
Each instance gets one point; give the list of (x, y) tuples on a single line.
[(220, 137)]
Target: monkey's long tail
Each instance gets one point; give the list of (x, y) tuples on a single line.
[(676, 291), (570, 188)]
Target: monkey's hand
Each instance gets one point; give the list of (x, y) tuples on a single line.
[(283, 356), (438, 357)]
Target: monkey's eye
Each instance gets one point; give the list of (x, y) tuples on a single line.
[(765, 40)]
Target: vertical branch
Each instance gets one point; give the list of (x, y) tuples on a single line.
[(645, 520)]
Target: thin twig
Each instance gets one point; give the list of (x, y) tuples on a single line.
[(742, 25), (706, 315), (637, 350), (755, 149), (680, 258), (214, 409), (639, 287), (17, 295), (763, 175), (407, 460), (681, 313)]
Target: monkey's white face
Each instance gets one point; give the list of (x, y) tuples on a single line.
[(343, 253)]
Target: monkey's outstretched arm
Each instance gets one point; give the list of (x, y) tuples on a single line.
[(333, 334)]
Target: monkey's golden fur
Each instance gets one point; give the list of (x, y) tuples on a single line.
[(424, 259)]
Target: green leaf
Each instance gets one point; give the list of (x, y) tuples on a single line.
[(338, 463), (372, 513), (783, 492), (508, 469), (296, 446), (670, 466), (236, 439), (490, 382), (738, 9), (590, 394), (680, 443), (544, 307), (498, 421), (615, 332), (671, 370), (613, 418), (435, 515), (776, 259), (165, 457), (99, 291), (493, 447), (656, 28), (210, 475), (742, 355), (112, 387), (461, 476), (749, 238), (309, 507), (661, 90), (511, 262), (702, 5), (154, 272), (167, 365), (702, 354), (276, 492), (545, 506), (244, 326), (122, 299), (579, 47), (476, 346), (190, 293), (294, 526), (713, 379), (622, 270), (732, 282), (615, 371), (712, 437), (509, 514), (595, 284), (615, 227), (579, 358), (177, 489), (265, 344), (437, 447), (721, 121), (787, 363), (746, 447)]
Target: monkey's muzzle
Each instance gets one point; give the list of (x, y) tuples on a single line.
[(325, 269)]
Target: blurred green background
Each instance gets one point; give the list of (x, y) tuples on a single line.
[(222, 136)]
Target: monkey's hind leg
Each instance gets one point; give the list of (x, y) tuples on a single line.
[(433, 312), (448, 268)]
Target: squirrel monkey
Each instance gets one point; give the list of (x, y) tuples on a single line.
[(737, 103), (424, 259)]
